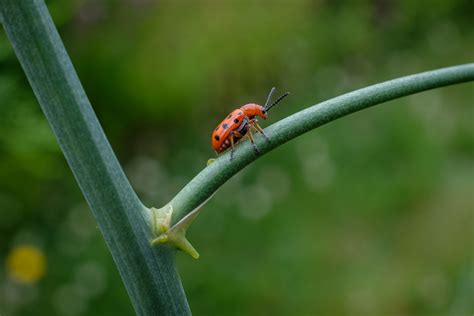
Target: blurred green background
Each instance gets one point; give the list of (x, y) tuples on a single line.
[(370, 215)]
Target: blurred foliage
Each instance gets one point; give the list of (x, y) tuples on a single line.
[(370, 215)]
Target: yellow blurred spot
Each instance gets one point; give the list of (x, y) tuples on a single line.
[(211, 160), (26, 264)]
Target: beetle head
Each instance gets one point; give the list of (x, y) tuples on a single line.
[(263, 113)]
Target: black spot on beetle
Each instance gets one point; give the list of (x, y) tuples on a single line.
[(217, 137), (240, 113), (225, 126), (236, 120)]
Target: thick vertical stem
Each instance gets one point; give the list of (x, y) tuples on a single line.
[(149, 274)]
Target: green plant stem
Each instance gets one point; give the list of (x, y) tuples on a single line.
[(149, 274), (213, 176)]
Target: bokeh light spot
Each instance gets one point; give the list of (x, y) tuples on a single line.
[(26, 264)]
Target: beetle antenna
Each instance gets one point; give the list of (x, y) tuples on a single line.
[(269, 97), (268, 107)]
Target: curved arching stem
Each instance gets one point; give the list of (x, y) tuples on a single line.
[(222, 169)]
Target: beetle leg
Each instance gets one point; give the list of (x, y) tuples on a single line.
[(260, 130), (255, 148), (232, 146)]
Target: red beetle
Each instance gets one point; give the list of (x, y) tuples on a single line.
[(239, 123)]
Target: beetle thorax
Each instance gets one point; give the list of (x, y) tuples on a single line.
[(251, 110)]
